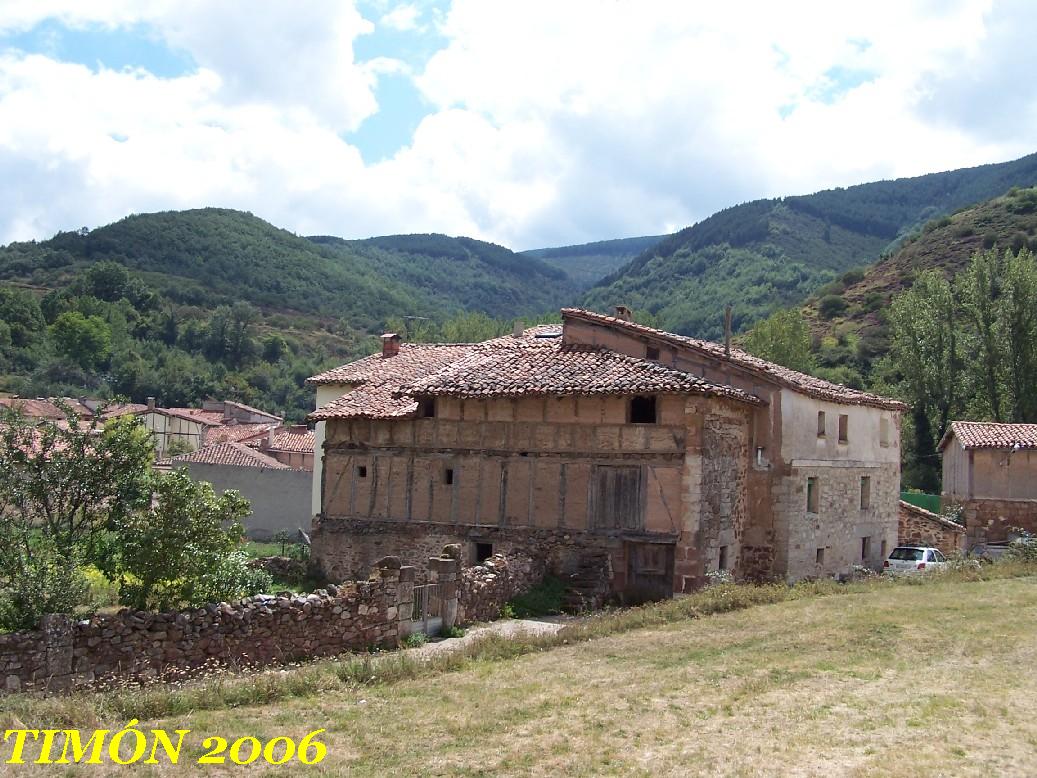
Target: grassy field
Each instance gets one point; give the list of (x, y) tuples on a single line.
[(885, 680)]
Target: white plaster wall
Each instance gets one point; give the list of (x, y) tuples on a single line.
[(325, 394), (800, 441)]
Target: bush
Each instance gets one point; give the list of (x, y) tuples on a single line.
[(49, 583), (415, 640), (452, 632), (544, 599), (831, 305), (230, 579)]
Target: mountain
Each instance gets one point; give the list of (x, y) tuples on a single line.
[(848, 316), (587, 263), (218, 303), (769, 254), (215, 255)]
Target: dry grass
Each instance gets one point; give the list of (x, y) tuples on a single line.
[(888, 680)]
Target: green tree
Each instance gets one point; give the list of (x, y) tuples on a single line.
[(106, 281), (926, 349), (86, 340), (166, 553), (783, 338), (62, 485)]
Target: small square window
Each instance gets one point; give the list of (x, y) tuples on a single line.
[(722, 564), (820, 424), (844, 428), (812, 495), (820, 556), (427, 407), (483, 551), (361, 471), (865, 492), (865, 548), (651, 352), (448, 476), (643, 409)]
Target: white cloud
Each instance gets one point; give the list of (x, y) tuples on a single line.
[(551, 122), (402, 17)]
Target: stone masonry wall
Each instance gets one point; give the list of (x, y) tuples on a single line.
[(919, 527), (485, 588), (988, 521), (840, 524), (138, 646), (342, 546)]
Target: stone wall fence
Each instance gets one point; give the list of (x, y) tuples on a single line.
[(138, 646)]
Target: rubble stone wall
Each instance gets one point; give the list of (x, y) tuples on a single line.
[(989, 520), (919, 527), (485, 588)]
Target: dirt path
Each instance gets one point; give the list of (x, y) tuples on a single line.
[(510, 628)]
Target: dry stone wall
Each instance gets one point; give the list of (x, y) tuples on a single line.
[(138, 646), (919, 527), (990, 521)]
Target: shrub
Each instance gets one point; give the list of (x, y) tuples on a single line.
[(49, 583), (831, 305), (415, 640), (544, 599), (452, 632), (989, 239), (230, 578)]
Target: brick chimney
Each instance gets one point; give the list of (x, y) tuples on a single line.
[(624, 313), (151, 403), (390, 344)]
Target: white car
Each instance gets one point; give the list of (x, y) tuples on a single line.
[(914, 559)]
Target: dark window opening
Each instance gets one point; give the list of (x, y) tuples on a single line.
[(820, 424), (812, 496), (448, 475), (844, 428), (722, 564), (427, 407), (865, 548), (361, 471), (651, 352), (865, 492), (642, 409), (820, 558), (483, 551)]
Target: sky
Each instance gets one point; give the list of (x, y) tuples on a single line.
[(529, 124)]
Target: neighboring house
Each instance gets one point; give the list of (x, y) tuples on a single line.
[(217, 421), (990, 470), (919, 527), (278, 493), (660, 457), (292, 446), (45, 407)]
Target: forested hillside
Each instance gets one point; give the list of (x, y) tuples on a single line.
[(588, 263), (187, 305), (768, 254)]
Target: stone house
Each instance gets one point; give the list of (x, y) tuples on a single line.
[(919, 527), (603, 444), (217, 421), (990, 470)]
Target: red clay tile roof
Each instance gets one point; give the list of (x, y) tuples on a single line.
[(378, 378), (525, 368), (295, 439), (236, 433), (801, 382), (930, 516), (44, 408), (988, 434), (235, 454), (123, 409)]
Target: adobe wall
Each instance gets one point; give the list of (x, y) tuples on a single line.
[(988, 520), (1002, 475), (919, 527)]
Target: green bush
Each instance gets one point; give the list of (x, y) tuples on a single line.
[(415, 640), (452, 632), (831, 305), (544, 599)]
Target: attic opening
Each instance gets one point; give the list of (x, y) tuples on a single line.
[(483, 551), (643, 409), (652, 352), (426, 407)]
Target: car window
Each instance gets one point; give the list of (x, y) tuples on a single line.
[(907, 554), (939, 556), (930, 556)]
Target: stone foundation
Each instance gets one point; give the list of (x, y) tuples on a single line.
[(340, 547)]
